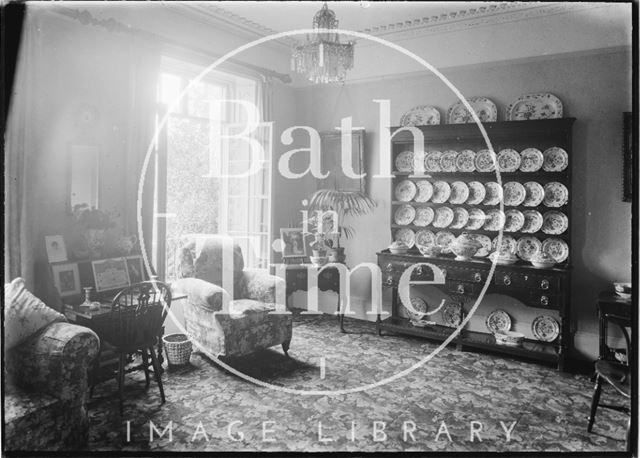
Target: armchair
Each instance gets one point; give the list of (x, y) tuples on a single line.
[(250, 322)]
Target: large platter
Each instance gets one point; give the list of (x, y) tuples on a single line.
[(466, 161), (443, 217), (535, 106), (406, 236), (405, 191), (484, 108), (424, 216), (555, 194), (498, 321), (528, 247), (508, 160), (432, 161), (531, 160), (425, 191), (404, 162), (556, 248), (404, 215), (422, 115), (514, 193), (460, 218), (534, 194), (476, 219), (555, 223), (448, 161), (545, 328), (452, 314), (425, 237), (441, 192), (485, 161), (476, 192), (555, 159)]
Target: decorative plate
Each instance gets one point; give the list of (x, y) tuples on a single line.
[(508, 160), (555, 223), (498, 321), (532, 221), (425, 191), (494, 220), (459, 192), (441, 192), (555, 194), (531, 160), (406, 236), (493, 193), (508, 245), (534, 194), (556, 248), (485, 161), (419, 306), (432, 161), (528, 247), (444, 239), (513, 220), (425, 238), (404, 162), (465, 162), (484, 251), (545, 328), (476, 219), (460, 218), (424, 216), (476, 192), (404, 215), (448, 161), (405, 191), (555, 159), (535, 106), (422, 115), (452, 314), (484, 108), (443, 217), (514, 194)]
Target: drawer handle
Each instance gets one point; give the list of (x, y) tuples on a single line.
[(389, 267), (477, 277), (444, 271), (460, 288), (544, 300), (544, 284), (506, 280)]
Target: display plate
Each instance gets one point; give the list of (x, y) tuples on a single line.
[(422, 115)]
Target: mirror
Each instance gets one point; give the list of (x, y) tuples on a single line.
[(331, 161), (83, 180)]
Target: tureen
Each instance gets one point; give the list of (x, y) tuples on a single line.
[(465, 246)]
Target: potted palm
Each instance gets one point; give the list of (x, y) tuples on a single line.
[(343, 203)]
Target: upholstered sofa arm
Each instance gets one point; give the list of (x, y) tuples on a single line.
[(260, 286), (56, 361), (200, 293)]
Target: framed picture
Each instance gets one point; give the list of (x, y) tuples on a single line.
[(56, 249), (331, 160), (66, 279), (110, 274), (294, 245), (627, 146), (135, 269)]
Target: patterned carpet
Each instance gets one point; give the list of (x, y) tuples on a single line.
[(432, 408)]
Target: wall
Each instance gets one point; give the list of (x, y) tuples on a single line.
[(595, 88)]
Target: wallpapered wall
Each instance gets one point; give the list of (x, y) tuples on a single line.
[(595, 89)]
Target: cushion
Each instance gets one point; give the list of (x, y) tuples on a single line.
[(24, 314), (241, 307), (200, 292)]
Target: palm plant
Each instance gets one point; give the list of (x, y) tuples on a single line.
[(344, 203)]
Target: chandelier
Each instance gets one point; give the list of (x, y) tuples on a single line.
[(322, 58)]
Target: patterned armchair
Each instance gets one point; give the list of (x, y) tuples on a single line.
[(249, 323), (45, 401)]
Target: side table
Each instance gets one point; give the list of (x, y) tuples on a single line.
[(613, 309)]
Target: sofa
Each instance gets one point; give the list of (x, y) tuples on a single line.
[(255, 318), (46, 366)]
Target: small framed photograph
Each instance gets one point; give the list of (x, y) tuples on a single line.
[(110, 274), (66, 279), (294, 245), (56, 249), (135, 269)]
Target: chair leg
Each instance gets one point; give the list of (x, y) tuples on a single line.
[(121, 365), (145, 362), (285, 347), (595, 401), (156, 373)]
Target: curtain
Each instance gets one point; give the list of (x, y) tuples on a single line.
[(20, 185)]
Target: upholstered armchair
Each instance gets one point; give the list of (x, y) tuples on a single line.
[(252, 320)]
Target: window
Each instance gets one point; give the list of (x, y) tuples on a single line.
[(196, 202)]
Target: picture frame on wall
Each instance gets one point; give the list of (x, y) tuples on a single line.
[(627, 151), (135, 269), (294, 244), (66, 279), (56, 248), (110, 274)]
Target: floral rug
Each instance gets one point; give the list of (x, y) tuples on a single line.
[(457, 401)]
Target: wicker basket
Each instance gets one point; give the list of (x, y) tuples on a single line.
[(178, 348)]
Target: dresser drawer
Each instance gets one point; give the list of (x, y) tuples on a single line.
[(517, 279)]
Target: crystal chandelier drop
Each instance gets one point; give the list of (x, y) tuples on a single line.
[(322, 58)]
